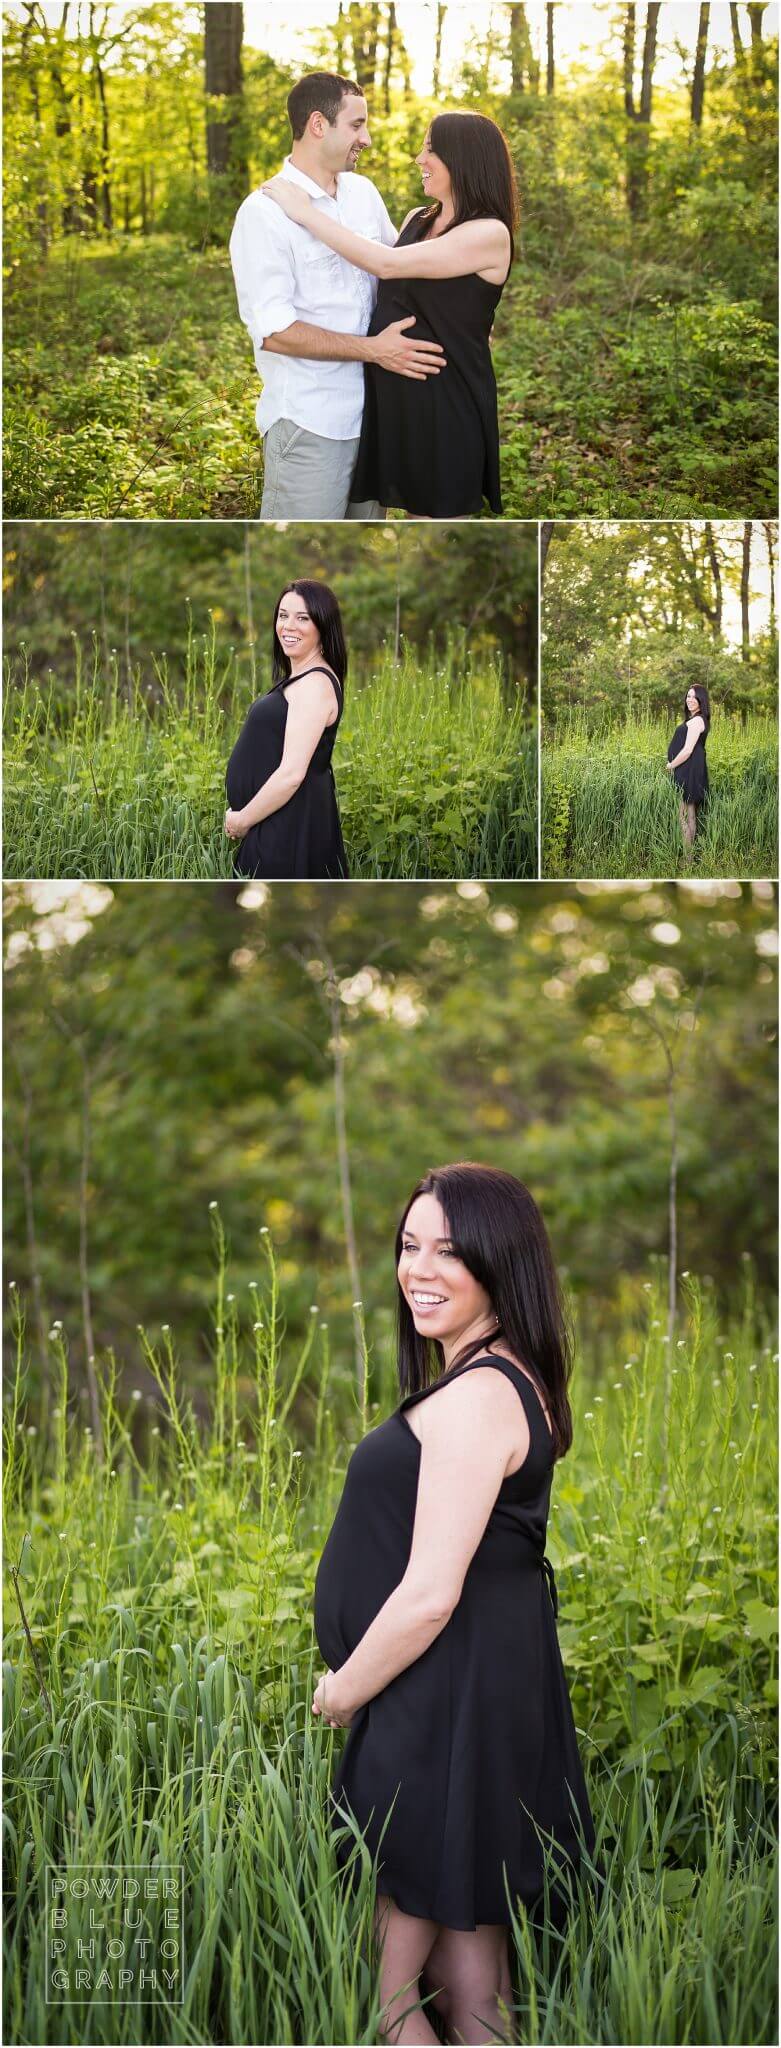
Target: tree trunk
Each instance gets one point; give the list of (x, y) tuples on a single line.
[(630, 26), (105, 153), (550, 57), (441, 12), (716, 573), (771, 563), (639, 118), (649, 59), (42, 212), (745, 572), (523, 63), (698, 80), (516, 50), (390, 38), (737, 39), (755, 18), (339, 35), (406, 70), (546, 535), (364, 36), (223, 36), (63, 128), (89, 194)]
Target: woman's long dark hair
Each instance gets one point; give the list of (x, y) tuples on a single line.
[(497, 1230), (475, 153), (323, 609), (703, 700)]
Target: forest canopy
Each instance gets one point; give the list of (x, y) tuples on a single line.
[(635, 344), (140, 590), (633, 614), (513, 1022)]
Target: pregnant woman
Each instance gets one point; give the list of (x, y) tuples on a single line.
[(279, 780), (686, 760), (431, 444), (435, 1609)]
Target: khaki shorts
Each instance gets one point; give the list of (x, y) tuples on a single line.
[(306, 476)]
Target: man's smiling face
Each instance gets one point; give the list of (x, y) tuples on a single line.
[(341, 144)]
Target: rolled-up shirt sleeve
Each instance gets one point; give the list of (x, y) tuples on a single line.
[(263, 272)]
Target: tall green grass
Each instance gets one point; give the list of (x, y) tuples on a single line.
[(169, 1592), (610, 809), (435, 772)]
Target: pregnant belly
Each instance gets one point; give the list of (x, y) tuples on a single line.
[(350, 1589), (393, 306), (243, 778), (336, 1636)]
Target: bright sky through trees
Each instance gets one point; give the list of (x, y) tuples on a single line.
[(730, 539), (583, 33)]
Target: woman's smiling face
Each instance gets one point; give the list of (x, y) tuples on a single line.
[(445, 1299), (434, 173), (692, 701), (297, 633)]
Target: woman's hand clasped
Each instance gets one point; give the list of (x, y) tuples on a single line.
[(325, 1702), (295, 203), (234, 825)]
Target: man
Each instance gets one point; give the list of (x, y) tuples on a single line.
[(308, 311)]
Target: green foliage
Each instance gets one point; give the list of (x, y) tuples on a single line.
[(509, 1022), (141, 587), (635, 357), (153, 413), (436, 772), (168, 1587), (610, 808), (634, 614)]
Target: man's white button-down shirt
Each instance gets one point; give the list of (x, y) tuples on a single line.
[(283, 274)]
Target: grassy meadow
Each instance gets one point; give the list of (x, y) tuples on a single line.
[(609, 808), (436, 774), (150, 412), (168, 1591)]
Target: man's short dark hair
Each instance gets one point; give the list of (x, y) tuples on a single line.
[(321, 92)]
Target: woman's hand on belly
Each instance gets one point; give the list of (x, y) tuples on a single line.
[(326, 1702), (235, 825)]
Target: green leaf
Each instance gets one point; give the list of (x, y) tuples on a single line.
[(677, 1885), (762, 1620)]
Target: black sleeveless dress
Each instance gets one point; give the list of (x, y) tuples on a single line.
[(303, 839), (433, 447), (480, 1727), (692, 776)]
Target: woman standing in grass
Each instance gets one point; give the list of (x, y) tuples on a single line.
[(435, 1610), (430, 444), (279, 780), (686, 760)]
